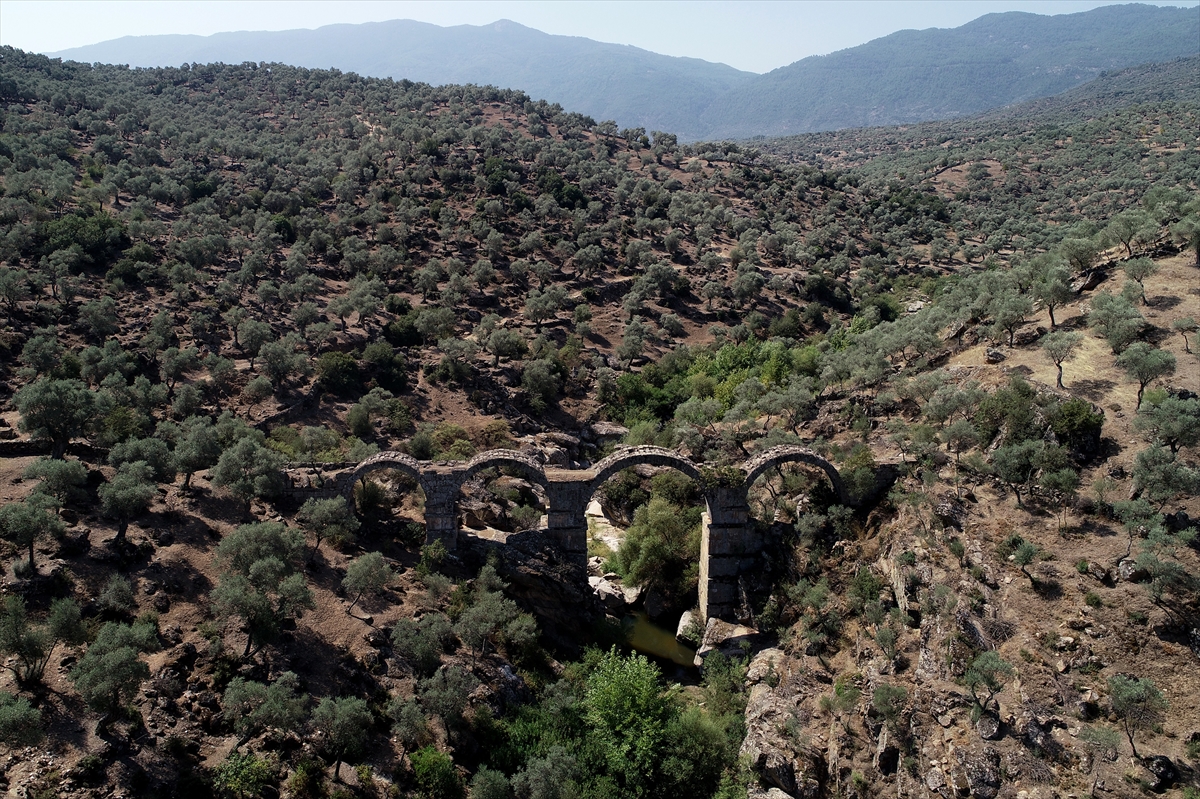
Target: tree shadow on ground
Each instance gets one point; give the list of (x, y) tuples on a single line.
[(1093, 390)]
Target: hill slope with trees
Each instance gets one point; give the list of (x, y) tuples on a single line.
[(218, 281)]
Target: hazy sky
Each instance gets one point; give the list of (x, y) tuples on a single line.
[(747, 34)]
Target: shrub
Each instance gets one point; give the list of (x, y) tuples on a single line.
[(338, 372), (435, 774)]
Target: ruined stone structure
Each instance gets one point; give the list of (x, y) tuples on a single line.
[(729, 544)]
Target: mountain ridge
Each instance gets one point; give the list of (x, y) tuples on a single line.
[(908, 76)]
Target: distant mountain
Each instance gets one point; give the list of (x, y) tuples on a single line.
[(913, 76), (606, 81), (909, 76)]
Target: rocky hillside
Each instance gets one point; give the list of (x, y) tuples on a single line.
[(214, 276)]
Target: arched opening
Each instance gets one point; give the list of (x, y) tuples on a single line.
[(502, 492), (386, 494), (390, 503), (644, 531)]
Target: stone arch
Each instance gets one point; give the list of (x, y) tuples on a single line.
[(790, 453), (633, 456), (383, 460), (528, 465)]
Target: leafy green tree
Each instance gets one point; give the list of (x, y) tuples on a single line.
[(1160, 476), (435, 774), (506, 344), (1127, 226), (1081, 253), (1054, 290), (1025, 554), (25, 523), (329, 519), (111, 671), (248, 470), (244, 774), (1144, 364), (1060, 347), (987, 675), (252, 707), (197, 447), (1186, 233), (541, 383), (261, 585), (1137, 270), (1184, 326), (55, 411), (1138, 704), (490, 783), (20, 722), (889, 702), (1016, 464), (660, 547), (61, 479), (154, 452), (251, 336), (628, 713), (489, 614), (32, 646), (346, 724), (422, 642), (280, 360), (445, 694), (128, 495), (1172, 421), (959, 437), (367, 574), (1115, 318), (176, 363), (1009, 311), (550, 776), (99, 316)]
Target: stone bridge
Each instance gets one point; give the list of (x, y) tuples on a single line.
[(729, 544)]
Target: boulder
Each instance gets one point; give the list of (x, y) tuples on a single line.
[(988, 727), (608, 430), (1130, 572), (764, 664), (685, 622), (610, 594), (726, 637), (993, 355), (982, 772), (1163, 773)]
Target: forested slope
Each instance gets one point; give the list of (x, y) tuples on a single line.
[(213, 272)]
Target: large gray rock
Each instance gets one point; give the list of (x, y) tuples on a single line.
[(610, 594), (774, 756), (725, 637), (982, 772)]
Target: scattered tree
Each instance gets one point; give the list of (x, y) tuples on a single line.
[(1137, 703)]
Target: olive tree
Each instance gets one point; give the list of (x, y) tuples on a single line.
[(367, 574), (1137, 703), (327, 519), (260, 583), (1060, 346), (55, 411), (1144, 364)]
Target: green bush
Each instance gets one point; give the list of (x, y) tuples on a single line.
[(435, 774), (338, 372)]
